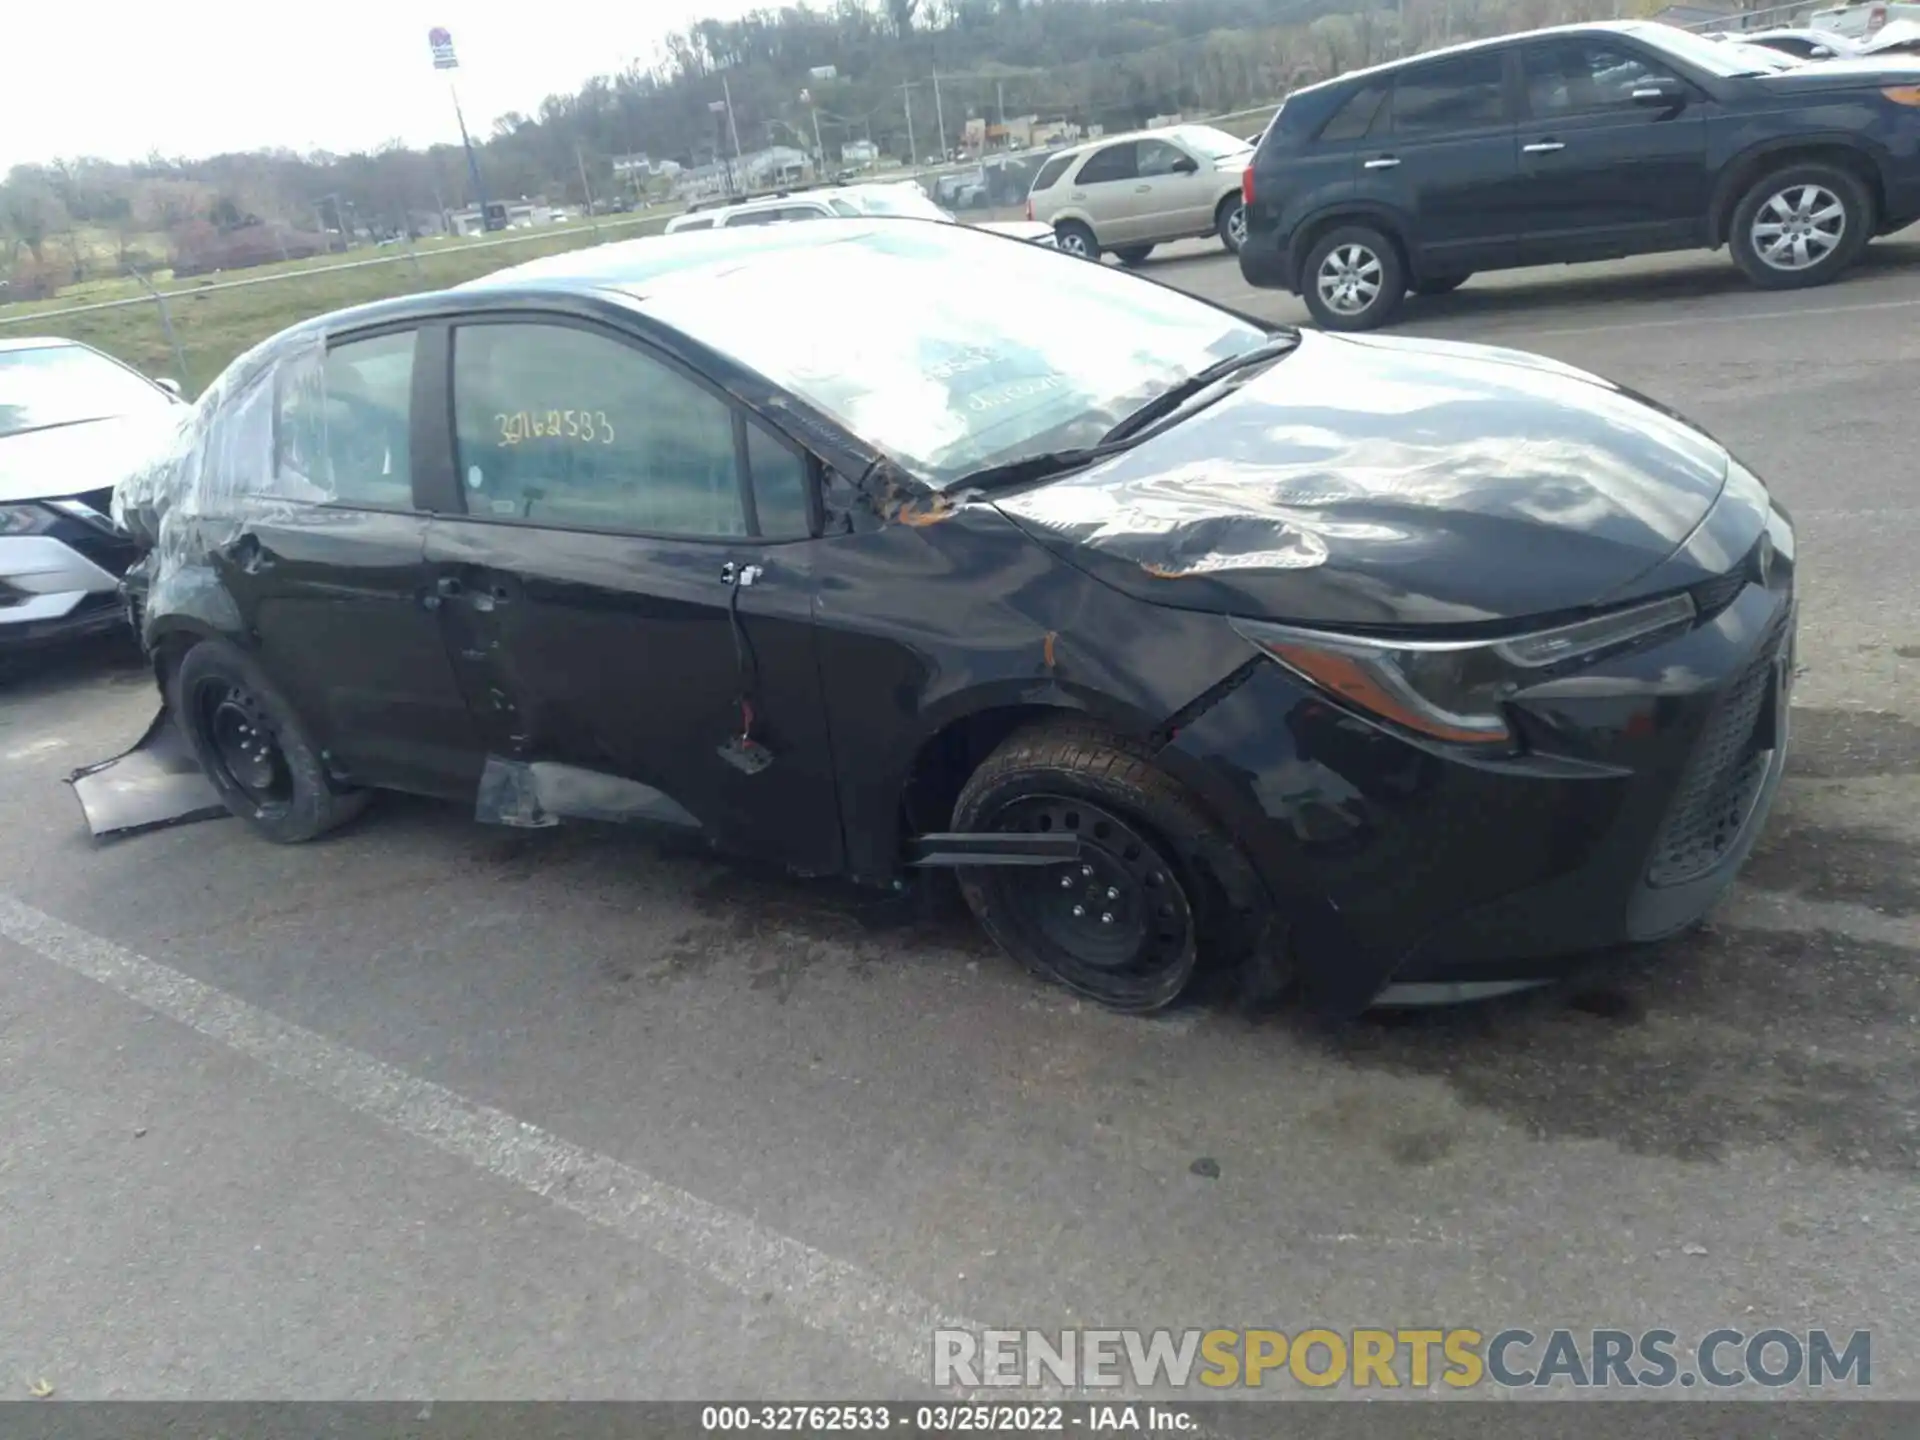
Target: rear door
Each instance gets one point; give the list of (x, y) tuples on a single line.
[(1108, 187), (629, 590), (1442, 151), (329, 565), (1613, 151)]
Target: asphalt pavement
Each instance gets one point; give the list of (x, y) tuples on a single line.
[(437, 1109)]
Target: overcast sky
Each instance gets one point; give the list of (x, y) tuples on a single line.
[(196, 77)]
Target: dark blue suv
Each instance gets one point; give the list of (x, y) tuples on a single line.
[(1586, 142)]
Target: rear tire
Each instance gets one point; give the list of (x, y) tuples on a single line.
[(1125, 926), (1440, 284), (1076, 240), (1353, 279), (1132, 254), (263, 764), (1800, 226)]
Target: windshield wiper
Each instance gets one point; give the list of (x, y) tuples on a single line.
[(1168, 401), (1029, 468)]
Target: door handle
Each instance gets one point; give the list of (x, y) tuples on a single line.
[(1383, 162), (1143, 189), (732, 573), (1542, 147), (450, 586)]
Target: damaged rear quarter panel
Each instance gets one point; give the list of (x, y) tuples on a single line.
[(922, 626)]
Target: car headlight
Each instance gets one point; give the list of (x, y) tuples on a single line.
[(25, 520), (1456, 690)]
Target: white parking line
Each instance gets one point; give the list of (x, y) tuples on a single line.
[(884, 1322)]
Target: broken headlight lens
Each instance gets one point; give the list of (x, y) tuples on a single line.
[(25, 520), (1456, 690)]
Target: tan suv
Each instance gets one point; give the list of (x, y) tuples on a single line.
[(1129, 193)]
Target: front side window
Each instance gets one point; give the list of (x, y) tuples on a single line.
[(949, 378), (1115, 162), (1156, 157), (1459, 94), (568, 427), (344, 425), (1587, 77)]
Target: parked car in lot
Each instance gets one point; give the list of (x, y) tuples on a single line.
[(1800, 44), (1391, 667), (1129, 193), (902, 198), (1582, 143), (71, 421)]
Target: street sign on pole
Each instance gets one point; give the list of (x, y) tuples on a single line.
[(441, 40)]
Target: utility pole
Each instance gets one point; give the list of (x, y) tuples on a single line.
[(819, 150), (906, 99), (1000, 103), (593, 219), (939, 117), (732, 129)]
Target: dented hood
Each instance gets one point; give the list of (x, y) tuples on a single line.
[(1384, 481)]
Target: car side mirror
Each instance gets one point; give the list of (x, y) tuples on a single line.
[(1821, 52), (1659, 97), (1185, 165), (172, 387)]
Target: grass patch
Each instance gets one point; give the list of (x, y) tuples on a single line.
[(214, 325)]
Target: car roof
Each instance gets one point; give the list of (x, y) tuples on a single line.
[(1491, 42), (1158, 133)]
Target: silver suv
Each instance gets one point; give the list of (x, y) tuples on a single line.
[(1129, 193)]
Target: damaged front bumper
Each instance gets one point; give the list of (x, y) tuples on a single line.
[(156, 783)]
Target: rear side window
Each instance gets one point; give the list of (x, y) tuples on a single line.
[(1352, 120), (1050, 173), (1458, 94), (697, 222), (343, 427), (1115, 162)]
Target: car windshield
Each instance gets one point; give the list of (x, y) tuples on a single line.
[(46, 385), (1043, 353), (1212, 143), (1725, 58), (908, 200), (1761, 57)]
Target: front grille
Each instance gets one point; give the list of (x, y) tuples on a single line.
[(1717, 789)]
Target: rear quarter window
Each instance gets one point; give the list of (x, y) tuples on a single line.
[(1050, 173), (1355, 115)]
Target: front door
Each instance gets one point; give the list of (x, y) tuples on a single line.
[(1442, 151), (1179, 199), (1613, 152), (329, 564), (630, 591)]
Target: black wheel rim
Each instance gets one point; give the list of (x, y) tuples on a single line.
[(243, 744), (1115, 925)]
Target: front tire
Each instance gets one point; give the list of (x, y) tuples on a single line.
[(1125, 925), (1800, 226), (1076, 240), (255, 751), (1230, 223), (1353, 279)]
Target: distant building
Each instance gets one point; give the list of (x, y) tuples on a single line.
[(521, 215), (859, 152)]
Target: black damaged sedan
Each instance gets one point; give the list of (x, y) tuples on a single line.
[(1402, 670)]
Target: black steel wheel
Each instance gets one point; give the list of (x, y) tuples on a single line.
[(1117, 925), (246, 752), (253, 746), (1128, 923)]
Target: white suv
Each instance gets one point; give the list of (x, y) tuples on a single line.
[(1129, 193), (898, 198)]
